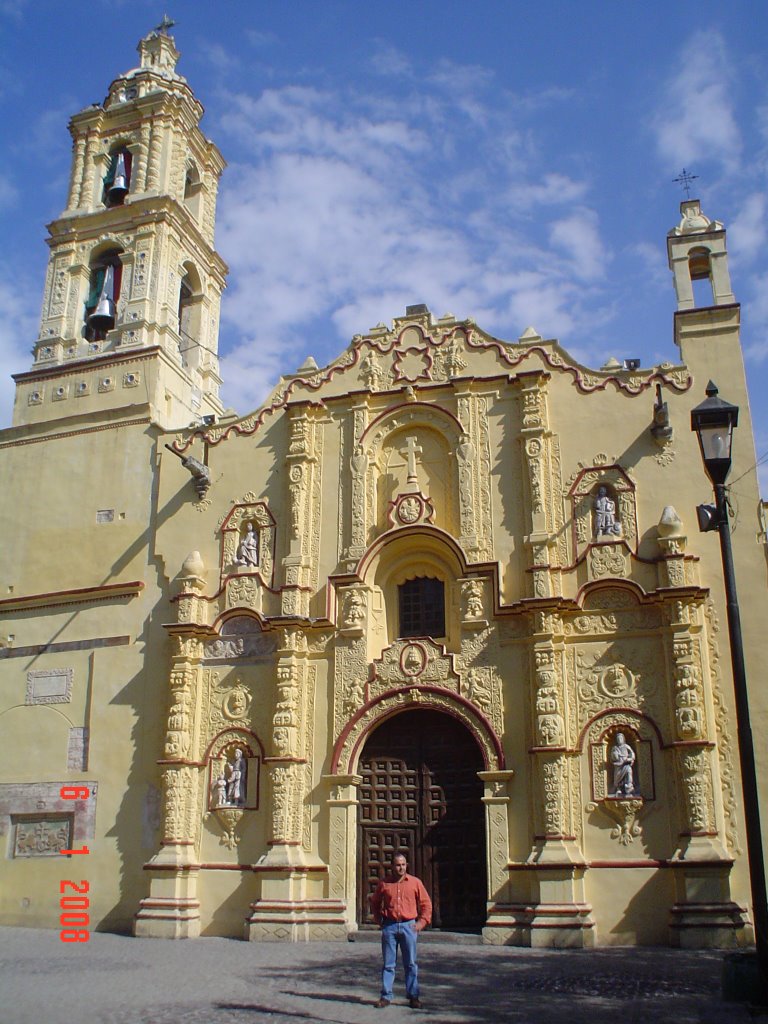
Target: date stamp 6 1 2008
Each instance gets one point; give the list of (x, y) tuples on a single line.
[(74, 909)]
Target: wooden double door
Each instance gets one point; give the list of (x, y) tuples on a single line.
[(420, 795)]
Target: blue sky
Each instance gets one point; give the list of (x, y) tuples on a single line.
[(510, 162)]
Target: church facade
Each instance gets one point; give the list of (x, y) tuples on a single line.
[(444, 596)]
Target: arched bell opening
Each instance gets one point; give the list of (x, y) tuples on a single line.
[(700, 269), (190, 315), (420, 795), (104, 283), (193, 190), (117, 180)]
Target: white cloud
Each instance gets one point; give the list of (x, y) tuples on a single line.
[(578, 236), (352, 211), (695, 119), (747, 231), (552, 190)]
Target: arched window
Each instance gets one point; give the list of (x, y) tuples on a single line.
[(103, 292), (192, 190), (422, 607), (190, 306), (117, 180)]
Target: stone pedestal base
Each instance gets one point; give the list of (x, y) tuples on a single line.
[(704, 916), (172, 909), (541, 925), (709, 926), (169, 918), (296, 921)]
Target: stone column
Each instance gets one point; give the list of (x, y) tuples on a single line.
[(85, 199), (76, 178)]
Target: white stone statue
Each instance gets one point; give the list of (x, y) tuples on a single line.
[(220, 790), (606, 523), (622, 759), (248, 552), (236, 784)]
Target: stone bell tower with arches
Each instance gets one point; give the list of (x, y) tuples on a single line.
[(130, 309)]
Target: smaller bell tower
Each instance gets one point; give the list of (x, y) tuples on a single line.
[(131, 303), (696, 250)]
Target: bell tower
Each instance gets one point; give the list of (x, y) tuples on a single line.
[(696, 251), (132, 293)]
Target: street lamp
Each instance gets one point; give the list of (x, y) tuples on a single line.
[(713, 422)]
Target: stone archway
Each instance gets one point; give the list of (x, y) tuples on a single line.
[(420, 793)]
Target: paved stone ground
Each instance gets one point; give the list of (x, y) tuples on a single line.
[(116, 979)]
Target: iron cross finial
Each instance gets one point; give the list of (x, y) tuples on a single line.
[(164, 25), (684, 179)]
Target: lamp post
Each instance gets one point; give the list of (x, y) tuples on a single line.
[(714, 420)]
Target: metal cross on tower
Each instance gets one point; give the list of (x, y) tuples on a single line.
[(684, 179), (164, 25)]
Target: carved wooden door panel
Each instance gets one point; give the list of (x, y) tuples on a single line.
[(420, 794)]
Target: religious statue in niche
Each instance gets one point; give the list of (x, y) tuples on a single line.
[(606, 523), (248, 551), (230, 785), (623, 758)]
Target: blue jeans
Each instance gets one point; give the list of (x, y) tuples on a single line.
[(404, 935)]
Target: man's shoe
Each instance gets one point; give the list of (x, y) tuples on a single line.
[(382, 1003), (415, 1004)]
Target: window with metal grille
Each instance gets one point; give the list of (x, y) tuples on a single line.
[(422, 607)]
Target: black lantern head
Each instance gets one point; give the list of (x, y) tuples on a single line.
[(713, 422)]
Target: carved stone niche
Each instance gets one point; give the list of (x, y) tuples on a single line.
[(603, 505), (233, 782), (248, 541), (621, 773)]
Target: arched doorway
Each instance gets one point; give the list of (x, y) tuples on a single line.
[(420, 794)]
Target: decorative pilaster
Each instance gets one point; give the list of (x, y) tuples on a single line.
[(474, 473), (342, 865), (535, 439), (353, 478), (303, 463)]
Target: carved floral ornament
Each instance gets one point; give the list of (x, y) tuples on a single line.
[(411, 509)]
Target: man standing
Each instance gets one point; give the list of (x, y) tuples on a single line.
[(402, 908)]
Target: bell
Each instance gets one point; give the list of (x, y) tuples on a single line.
[(118, 190), (103, 316)]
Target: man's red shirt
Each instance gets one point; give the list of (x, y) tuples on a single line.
[(403, 899)]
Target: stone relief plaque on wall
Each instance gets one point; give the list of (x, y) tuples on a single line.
[(41, 836), (49, 686)]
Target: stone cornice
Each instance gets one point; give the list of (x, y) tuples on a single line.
[(81, 595)]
